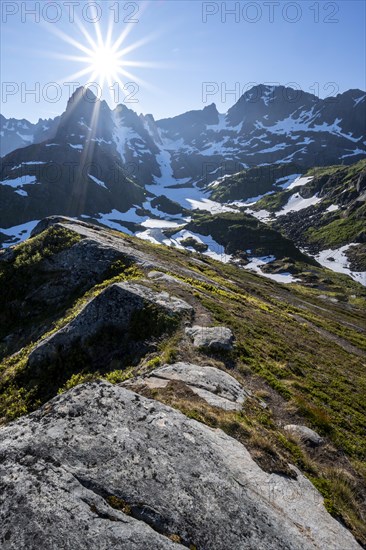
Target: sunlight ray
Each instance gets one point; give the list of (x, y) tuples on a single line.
[(77, 74), (90, 40), (136, 79), (104, 58), (137, 44), (121, 38), (70, 40), (145, 64)]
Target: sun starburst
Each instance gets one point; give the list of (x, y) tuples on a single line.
[(104, 59)]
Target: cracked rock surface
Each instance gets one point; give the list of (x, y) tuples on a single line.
[(215, 386), (168, 476), (213, 338)]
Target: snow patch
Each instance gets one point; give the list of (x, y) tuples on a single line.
[(25, 137), (31, 162), (98, 181), (336, 260), (332, 208), (209, 205), (18, 232), (78, 146), (297, 182), (296, 202), (22, 180), (354, 153), (215, 250), (256, 264), (359, 100), (21, 192)]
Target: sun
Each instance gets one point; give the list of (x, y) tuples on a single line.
[(105, 63), (104, 59)]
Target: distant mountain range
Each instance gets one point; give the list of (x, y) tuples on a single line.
[(267, 125), (130, 172)]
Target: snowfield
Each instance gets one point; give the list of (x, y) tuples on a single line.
[(256, 263), (19, 233), (336, 260), (296, 203)]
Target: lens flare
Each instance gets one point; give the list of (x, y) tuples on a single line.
[(104, 59)]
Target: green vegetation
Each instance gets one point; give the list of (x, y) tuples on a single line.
[(118, 376), (300, 347), (348, 171), (274, 202), (336, 233), (77, 379), (238, 232), (194, 243), (21, 389), (252, 182), (23, 274), (336, 185)]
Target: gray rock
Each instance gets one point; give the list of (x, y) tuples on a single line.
[(50, 221), (217, 387), (176, 476), (81, 266), (114, 307), (305, 434), (214, 338), (160, 276), (120, 246)]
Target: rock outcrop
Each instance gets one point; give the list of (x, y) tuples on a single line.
[(213, 338), (101, 467), (305, 434), (113, 308), (215, 386), (160, 276)]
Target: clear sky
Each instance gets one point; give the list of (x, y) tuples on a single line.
[(191, 53)]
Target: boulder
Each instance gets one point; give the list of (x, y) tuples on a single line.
[(101, 467), (305, 434), (113, 307), (215, 386), (50, 221), (160, 276), (213, 338)]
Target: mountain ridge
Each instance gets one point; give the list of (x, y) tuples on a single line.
[(133, 173), (198, 349)]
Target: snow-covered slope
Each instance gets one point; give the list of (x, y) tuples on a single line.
[(132, 172), (20, 133)]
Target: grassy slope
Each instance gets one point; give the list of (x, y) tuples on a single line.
[(305, 355), (252, 182), (336, 185), (238, 232), (343, 226)]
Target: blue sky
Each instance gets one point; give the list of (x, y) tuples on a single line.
[(317, 46)]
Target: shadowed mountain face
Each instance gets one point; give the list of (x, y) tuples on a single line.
[(267, 125), (76, 172), (129, 171)]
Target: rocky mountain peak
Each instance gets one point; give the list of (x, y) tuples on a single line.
[(86, 117)]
